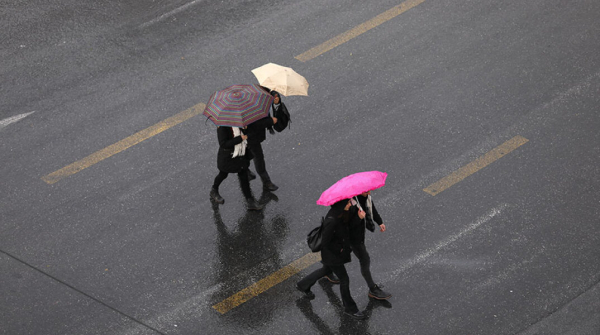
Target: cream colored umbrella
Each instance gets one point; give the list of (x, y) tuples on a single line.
[(281, 79)]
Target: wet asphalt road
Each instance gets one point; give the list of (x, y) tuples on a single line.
[(132, 244)]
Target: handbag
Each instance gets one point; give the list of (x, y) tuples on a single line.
[(369, 223), (314, 238)]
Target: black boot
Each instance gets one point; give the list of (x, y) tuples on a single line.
[(356, 315), (377, 293), (267, 183), (269, 186), (251, 175), (253, 205), (214, 195), (333, 278)]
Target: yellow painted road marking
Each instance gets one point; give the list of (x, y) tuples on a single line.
[(267, 282), (358, 30), (123, 144), (476, 165)]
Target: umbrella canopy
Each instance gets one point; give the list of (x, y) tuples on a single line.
[(238, 105), (281, 79), (352, 185)]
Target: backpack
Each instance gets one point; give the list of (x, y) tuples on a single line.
[(313, 239), (283, 118)]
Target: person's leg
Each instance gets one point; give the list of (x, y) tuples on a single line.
[(365, 269), (247, 192), (214, 192), (349, 304), (307, 282), (245, 183), (258, 158), (219, 179), (260, 165), (365, 263)]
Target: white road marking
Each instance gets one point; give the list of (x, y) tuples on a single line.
[(178, 313), (171, 13), (13, 119), (451, 239)]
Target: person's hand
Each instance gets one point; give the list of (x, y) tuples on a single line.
[(348, 205), (361, 214), (274, 120), (382, 227), (244, 137)]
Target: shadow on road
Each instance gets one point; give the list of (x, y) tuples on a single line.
[(348, 325)]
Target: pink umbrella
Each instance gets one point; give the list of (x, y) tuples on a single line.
[(352, 185)]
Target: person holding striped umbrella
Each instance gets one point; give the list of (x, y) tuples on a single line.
[(232, 110)]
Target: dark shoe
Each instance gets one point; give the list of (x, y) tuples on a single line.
[(251, 175), (269, 186), (357, 316), (333, 278), (378, 293), (253, 205), (307, 293), (214, 195)]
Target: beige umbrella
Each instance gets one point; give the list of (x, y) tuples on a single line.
[(281, 79)]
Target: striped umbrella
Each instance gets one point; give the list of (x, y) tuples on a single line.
[(238, 105)]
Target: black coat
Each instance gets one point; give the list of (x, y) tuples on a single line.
[(256, 130), (335, 243), (227, 142), (358, 225)]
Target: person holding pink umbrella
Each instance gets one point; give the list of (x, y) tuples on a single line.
[(337, 221), (358, 187), (335, 252)]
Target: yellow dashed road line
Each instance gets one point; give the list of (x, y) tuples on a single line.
[(267, 282), (476, 165), (123, 144), (358, 30)]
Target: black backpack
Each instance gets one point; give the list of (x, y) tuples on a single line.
[(283, 118), (315, 236)]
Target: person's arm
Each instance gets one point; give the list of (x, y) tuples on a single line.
[(377, 218), (264, 123), (224, 141)]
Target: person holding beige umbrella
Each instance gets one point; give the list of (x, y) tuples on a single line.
[(277, 80), (281, 80)]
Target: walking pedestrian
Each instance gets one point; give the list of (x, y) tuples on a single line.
[(359, 221), (335, 252), (257, 130), (233, 157), (280, 112)]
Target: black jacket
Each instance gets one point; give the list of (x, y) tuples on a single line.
[(256, 131), (357, 225), (335, 243), (282, 115), (227, 142)]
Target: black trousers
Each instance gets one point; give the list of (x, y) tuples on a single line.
[(340, 271), (364, 259), (259, 161), (243, 178)]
